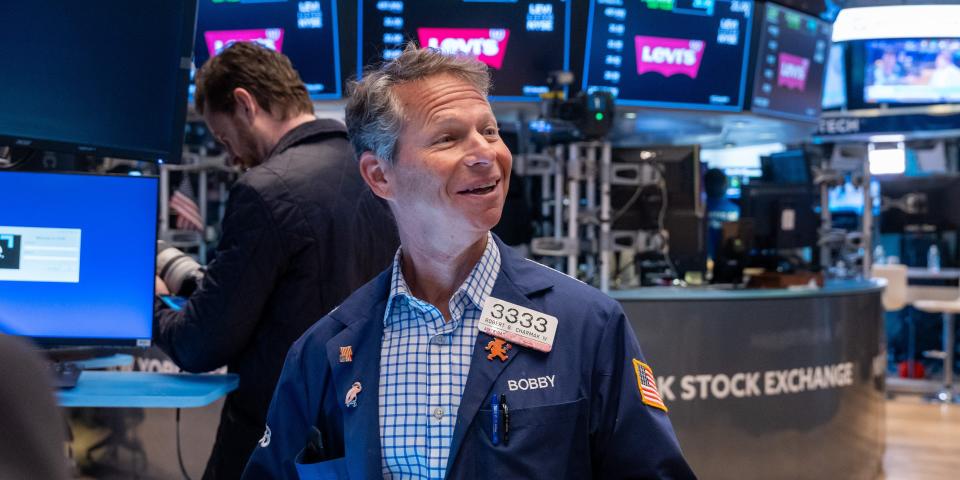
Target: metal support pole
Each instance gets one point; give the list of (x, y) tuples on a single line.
[(605, 246), (164, 200), (558, 194), (826, 222), (946, 394), (573, 194), (867, 223), (202, 189), (590, 175)]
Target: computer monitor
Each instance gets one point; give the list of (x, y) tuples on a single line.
[(77, 258), (103, 78), (792, 51), (783, 216), (835, 79), (740, 164), (918, 204), (790, 167), (305, 31), (674, 54), (522, 41)]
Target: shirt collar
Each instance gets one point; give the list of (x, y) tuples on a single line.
[(477, 286)]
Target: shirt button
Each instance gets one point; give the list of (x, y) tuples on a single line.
[(438, 413), (439, 340)]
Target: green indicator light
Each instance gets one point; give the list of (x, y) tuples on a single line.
[(599, 117)]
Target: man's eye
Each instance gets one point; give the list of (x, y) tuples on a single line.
[(443, 139)]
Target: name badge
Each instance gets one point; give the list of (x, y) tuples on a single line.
[(518, 324)]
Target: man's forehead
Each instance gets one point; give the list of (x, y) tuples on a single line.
[(425, 97)]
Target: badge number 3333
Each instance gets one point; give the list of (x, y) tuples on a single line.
[(518, 324)]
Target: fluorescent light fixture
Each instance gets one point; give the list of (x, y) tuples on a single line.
[(897, 21), (887, 161), (887, 138)]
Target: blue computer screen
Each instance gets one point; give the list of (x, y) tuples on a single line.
[(664, 53), (522, 41), (306, 31), (77, 256)]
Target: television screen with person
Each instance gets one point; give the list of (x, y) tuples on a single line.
[(77, 258), (304, 31), (522, 41), (912, 71), (679, 54)]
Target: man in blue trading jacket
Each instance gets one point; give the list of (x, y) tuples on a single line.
[(463, 360)]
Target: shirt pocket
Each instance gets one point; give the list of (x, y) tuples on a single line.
[(547, 441)]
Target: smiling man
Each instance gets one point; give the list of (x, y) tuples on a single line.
[(463, 359)]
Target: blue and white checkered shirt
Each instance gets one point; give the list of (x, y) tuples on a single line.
[(424, 362)]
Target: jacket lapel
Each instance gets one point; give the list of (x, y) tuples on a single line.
[(363, 335), (515, 284)]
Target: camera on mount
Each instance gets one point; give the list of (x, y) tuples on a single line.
[(587, 116)]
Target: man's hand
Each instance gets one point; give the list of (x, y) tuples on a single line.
[(160, 288)]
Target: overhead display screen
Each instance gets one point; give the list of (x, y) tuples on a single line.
[(669, 53), (305, 31), (912, 71), (521, 41), (835, 79), (791, 58)]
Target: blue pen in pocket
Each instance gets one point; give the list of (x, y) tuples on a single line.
[(495, 418)]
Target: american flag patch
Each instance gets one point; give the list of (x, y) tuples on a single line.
[(647, 384)]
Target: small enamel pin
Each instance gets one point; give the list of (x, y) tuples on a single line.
[(346, 354), (498, 348), (351, 400)]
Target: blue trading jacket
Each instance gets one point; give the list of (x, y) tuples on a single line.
[(584, 419)]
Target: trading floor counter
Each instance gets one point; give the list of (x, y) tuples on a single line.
[(769, 383)]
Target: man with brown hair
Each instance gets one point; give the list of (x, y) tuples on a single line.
[(301, 232)]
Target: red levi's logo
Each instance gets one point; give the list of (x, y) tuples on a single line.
[(271, 38), (793, 72), (485, 44), (669, 56)]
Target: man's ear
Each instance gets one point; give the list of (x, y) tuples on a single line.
[(373, 169), (246, 105)]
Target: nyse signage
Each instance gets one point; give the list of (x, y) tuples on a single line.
[(860, 128), (756, 383)]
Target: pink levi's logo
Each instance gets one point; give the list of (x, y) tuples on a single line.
[(793, 72), (669, 56), (485, 44), (217, 40)]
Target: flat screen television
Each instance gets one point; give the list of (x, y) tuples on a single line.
[(522, 41), (687, 54), (104, 78), (306, 31), (77, 258), (911, 71), (792, 53)]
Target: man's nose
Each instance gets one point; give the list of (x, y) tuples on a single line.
[(480, 151)]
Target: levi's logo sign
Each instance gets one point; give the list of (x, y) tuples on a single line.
[(485, 44), (668, 56), (271, 38), (793, 72)]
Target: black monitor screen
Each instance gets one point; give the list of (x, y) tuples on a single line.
[(790, 167), (304, 30), (107, 77), (675, 54), (77, 256), (791, 56), (521, 41)]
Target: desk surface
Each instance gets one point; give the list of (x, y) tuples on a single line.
[(147, 390), (919, 273)]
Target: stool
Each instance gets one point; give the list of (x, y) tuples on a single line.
[(894, 298), (947, 309)]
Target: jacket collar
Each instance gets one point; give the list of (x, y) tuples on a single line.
[(519, 281), (306, 131)]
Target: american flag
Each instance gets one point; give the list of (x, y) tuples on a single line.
[(183, 204), (648, 385)]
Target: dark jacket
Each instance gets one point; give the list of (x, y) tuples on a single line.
[(301, 232), (586, 417)]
